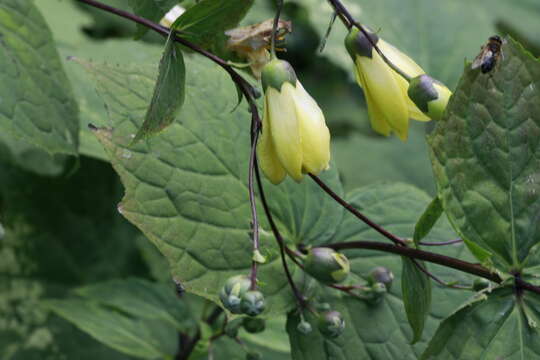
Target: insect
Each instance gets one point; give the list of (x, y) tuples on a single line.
[(489, 55)]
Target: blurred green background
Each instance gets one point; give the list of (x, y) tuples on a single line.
[(58, 217)]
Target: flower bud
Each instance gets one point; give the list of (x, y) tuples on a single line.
[(232, 327), (326, 265), (380, 274), (232, 292), (295, 139), (254, 325), (379, 289), (252, 303), (304, 327), (429, 95), (481, 284), (331, 324)]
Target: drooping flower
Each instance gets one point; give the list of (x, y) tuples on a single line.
[(295, 139), (389, 106)]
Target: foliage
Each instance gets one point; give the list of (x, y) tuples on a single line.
[(125, 189)]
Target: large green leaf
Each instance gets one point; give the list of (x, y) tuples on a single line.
[(142, 338), (37, 104), (186, 189), (496, 327), (485, 158), (208, 19), (381, 331)]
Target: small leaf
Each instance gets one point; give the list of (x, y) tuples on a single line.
[(416, 287), (169, 92), (152, 10), (427, 220), (147, 339), (208, 19)]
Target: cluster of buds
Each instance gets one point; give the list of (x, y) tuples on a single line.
[(237, 297)]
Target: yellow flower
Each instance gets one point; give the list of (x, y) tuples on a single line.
[(429, 95), (295, 139), (389, 107)]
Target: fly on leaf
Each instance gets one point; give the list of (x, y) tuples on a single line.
[(489, 56)]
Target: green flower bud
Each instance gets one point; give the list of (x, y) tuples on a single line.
[(380, 274), (232, 292), (232, 327), (304, 327), (481, 284), (276, 73), (252, 303), (254, 325), (253, 355), (379, 288), (331, 324), (429, 95), (327, 265)]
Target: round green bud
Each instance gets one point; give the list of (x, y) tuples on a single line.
[(429, 95), (326, 265), (254, 325), (357, 44), (231, 293), (232, 327), (380, 274), (331, 324), (277, 72), (252, 303), (304, 327), (253, 355), (480, 284), (379, 288)]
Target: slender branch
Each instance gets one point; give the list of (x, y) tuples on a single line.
[(349, 21), (442, 243), (255, 126), (275, 28), (282, 247), (396, 240), (438, 280)]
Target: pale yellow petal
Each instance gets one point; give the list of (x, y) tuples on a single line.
[(266, 153), (414, 112), (314, 134), (385, 92), (285, 129), (376, 119), (402, 61)]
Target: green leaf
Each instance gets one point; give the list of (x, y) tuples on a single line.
[(492, 328), (147, 339), (208, 19), (428, 219), (169, 92), (142, 299), (186, 189), (152, 10), (36, 100), (380, 330), (416, 286), (484, 158)]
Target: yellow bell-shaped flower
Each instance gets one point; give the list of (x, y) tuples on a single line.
[(429, 95), (389, 107), (295, 139)]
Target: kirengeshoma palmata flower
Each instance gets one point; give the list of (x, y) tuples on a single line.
[(429, 95), (389, 106), (295, 139)]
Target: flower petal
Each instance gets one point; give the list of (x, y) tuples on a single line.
[(285, 129), (266, 152), (315, 136), (385, 92), (376, 118), (402, 61)]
